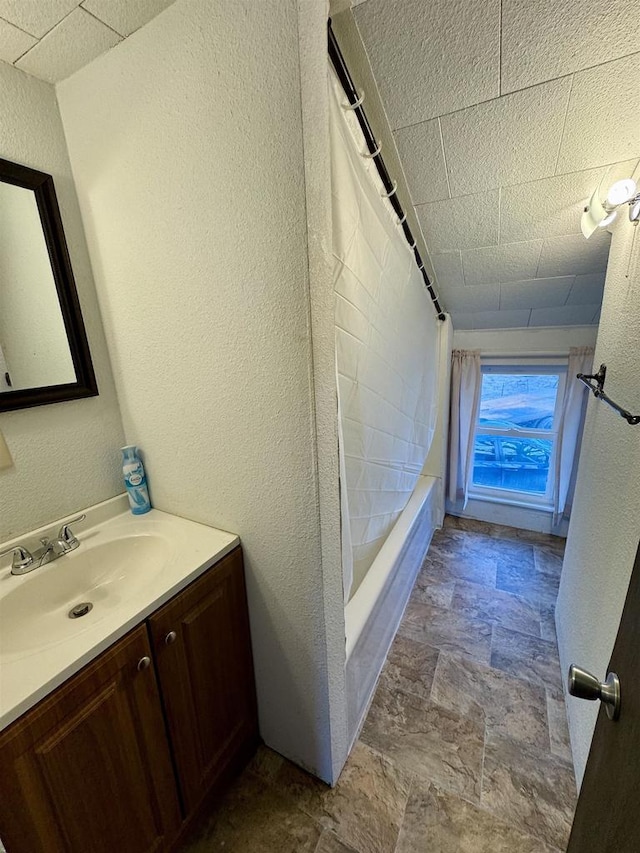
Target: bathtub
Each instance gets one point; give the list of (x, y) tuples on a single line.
[(373, 614)]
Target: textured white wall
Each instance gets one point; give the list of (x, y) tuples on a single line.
[(66, 454), (186, 144), (605, 522)]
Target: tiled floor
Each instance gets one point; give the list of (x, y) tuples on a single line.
[(465, 748)]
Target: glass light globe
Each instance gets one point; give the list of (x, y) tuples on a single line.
[(621, 191)]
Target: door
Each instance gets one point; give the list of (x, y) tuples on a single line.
[(203, 654), (606, 818), (92, 762)]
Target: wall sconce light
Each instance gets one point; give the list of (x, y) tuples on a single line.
[(599, 214)]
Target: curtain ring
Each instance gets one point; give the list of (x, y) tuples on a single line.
[(375, 153), (421, 267), (404, 219), (356, 105), (412, 245), (391, 192)]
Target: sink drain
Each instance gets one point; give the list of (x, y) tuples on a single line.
[(80, 610)]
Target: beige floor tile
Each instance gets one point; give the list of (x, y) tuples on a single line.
[(364, 809), (526, 657), (330, 843), (507, 705), (430, 742), (439, 822), (496, 606), (255, 816), (410, 667), (447, 631), (532, 791), (558, 726)]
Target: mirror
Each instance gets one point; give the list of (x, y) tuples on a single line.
[(44, 353)]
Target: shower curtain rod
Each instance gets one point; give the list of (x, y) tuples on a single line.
[(355, 100)]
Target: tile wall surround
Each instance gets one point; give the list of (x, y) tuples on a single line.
[(466, 742), (50, 39), (503, 135)]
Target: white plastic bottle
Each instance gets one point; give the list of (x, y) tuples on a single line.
[(135, 480)]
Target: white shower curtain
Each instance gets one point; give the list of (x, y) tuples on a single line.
[(386, 351), (570, 429), (466, 387)]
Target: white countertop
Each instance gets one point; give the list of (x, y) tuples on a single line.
[(27, 676)]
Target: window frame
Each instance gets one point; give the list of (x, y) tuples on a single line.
[(528, 367)]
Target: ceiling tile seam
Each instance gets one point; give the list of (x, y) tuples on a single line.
[(444, 157), (48, 33), (500, 53), (499, 214), (57, 23), (100, 21), (16, 27), (529, 318), (515, 91), (542, 242), (564, 124)]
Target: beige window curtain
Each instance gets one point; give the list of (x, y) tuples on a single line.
[(570, 429), (466, 384)]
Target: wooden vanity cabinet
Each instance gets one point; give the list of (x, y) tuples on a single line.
[(89, 768), (205, 668), (119, 757)]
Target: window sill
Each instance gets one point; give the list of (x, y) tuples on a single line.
[(540, 507)]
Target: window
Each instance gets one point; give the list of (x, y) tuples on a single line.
[(516, 433)]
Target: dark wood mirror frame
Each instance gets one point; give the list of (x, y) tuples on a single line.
[(85, 384)]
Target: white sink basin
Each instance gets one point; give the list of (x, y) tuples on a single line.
[(103, 575), (126, 566)]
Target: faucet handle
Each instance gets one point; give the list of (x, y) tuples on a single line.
[(66, 536), (22, 558)]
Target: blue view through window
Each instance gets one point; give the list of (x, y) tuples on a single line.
[(515, 402)]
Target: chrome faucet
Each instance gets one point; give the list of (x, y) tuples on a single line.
[(24, 561)]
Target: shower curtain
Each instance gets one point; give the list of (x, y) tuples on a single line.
[(386, 351)]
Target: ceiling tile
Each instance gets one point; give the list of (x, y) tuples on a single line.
[(461, 320), (77, 40), (472, 299), (573, 255), (602, 123), (501, 319), (460, 223), (509, 262), (124, 16), (420, 149), (535, 293), (431, 58), (587, 289), (36, 18), (596, 317), (13, 42), (543, 39), (508, 140), (546, 208), (448, 269), (568, 315)]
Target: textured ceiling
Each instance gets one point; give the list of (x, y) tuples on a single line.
[(51, 39), (507, 114)]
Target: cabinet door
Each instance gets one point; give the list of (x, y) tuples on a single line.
[(89, 769), (203, 654)]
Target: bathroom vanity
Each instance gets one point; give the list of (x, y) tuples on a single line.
[(121, 754)]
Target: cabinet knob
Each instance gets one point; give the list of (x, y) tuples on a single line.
[(144, 663), (170, 638)]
